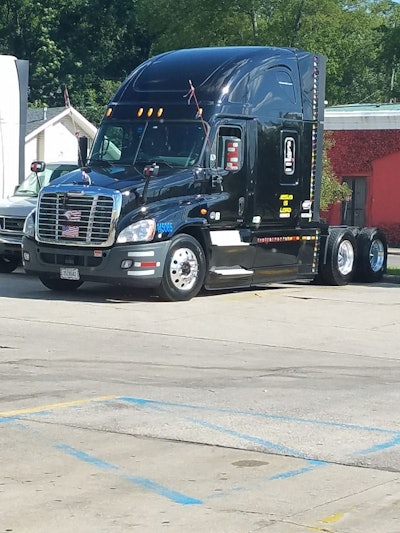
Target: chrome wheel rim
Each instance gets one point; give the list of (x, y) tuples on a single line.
[(345, 258), (376, 255), (184, 269)]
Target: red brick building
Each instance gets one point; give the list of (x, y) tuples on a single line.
[(366, 154)]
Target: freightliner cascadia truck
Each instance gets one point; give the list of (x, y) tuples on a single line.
[(205, 174)]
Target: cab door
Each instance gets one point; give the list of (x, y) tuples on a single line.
[(230, 162)]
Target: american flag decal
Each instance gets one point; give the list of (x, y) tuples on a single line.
[(70, 231)]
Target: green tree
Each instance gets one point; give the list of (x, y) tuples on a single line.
[(26, 31), (91, 45), (390, 50), (87, 45)]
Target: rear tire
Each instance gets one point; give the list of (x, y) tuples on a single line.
[(7, 265), (340, 263), (59, 285), (372, 255), (184, 270)]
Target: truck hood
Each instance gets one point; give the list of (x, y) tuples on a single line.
[(116, 177), (132, 179), (17, 206)]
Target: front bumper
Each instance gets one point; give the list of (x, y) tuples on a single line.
[(137, 265), (10, 246)]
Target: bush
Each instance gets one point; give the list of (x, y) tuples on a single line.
[(392, 232), (332, 190)]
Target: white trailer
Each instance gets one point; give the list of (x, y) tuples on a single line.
[(13, 110)]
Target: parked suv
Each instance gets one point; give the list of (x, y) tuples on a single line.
[(15, 209)]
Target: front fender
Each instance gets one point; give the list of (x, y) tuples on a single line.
[(170, 215)]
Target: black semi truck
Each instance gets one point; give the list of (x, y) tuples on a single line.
[(205, 173)]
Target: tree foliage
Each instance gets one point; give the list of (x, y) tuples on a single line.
[(90, 46), (332, 190)]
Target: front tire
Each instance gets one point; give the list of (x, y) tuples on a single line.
[(7, 265), (184, 270), (372, 255), (59, 285), (340, 258)]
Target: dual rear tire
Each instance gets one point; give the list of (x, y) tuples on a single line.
[(348, 257), (372, 255)]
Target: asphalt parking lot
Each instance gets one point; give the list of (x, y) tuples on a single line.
[(269, 410)]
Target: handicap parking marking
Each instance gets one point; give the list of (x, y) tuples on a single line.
[(189, 413), (180, 411), (178, 408)]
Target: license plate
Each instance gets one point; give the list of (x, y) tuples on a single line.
[(69, 273)]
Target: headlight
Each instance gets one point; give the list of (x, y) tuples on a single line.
[(29, 224), (142, 231)]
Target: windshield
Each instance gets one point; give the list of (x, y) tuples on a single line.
[(174, 143), (31, 185)]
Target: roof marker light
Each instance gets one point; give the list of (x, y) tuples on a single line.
[(140, 112), (160, 112), (109, 111), (150, 111)]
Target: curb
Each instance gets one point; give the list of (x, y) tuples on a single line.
[(388, 278)]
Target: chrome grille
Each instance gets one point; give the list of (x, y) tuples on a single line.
[(77, 218), (13, 225)]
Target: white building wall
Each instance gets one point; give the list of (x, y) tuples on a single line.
[(9, 126), (60, 144), (378, 119), (30, 154)]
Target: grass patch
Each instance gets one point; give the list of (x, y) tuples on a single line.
[(394, 271)]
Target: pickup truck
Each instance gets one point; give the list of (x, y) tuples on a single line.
[(14, 210)]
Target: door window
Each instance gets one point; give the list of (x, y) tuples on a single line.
[(229, 150)]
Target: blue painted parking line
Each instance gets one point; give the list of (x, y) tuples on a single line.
[(248, 438), (341, 425), (312, 465), (185, 412), (268, 445), (144, 483), (382, 446), (20, 423), (7, 419), (274, 447)]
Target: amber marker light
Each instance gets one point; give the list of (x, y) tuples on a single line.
[(140, 112), (109, 111), (160, 112), (150, 111), (203, 211)]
